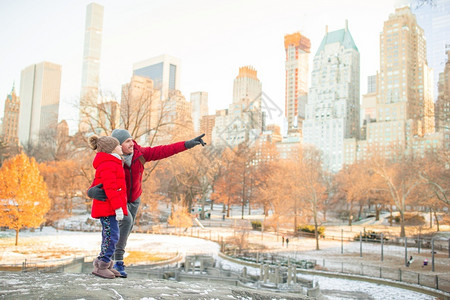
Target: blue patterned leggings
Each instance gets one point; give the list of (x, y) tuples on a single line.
[(110, 236)]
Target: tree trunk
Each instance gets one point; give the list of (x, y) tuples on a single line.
[(391, 219), (295, 217), (436, 218), (316, 233), (17, 236), (377, 212), (402, 224), (350, 213), (360, 210), (431, 218)]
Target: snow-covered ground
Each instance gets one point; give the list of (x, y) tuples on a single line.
[(82, 242)]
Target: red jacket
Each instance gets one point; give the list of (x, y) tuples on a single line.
[(109, 171), (133, 174)]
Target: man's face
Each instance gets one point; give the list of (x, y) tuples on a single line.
[(127, 146)]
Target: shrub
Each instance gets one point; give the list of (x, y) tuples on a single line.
[(311, 229), (256, 225), (370, 236), (414, 220)]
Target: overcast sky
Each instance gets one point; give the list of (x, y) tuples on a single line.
[(212, 39)]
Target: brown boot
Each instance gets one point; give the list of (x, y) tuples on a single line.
[(116, 273), (103, 270), (95, 263)]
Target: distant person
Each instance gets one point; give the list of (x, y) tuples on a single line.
[(287, 242), (110, 174), (410, 260), (282, 241), (425, 262), (135, 157)]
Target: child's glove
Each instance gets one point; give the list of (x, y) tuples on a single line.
[(119, 214)]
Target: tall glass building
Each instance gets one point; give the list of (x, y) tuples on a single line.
[(40, 86), (164, 70), (434, 18), (91, 64)]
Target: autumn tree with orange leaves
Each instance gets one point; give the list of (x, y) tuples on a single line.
[(227, 188), (24, 198), (64, 179), (353, 185), (180, 217)]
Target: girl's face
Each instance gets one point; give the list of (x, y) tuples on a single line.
[(118, 150)]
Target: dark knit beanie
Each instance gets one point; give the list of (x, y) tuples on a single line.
[(121, 134), (105, 144)]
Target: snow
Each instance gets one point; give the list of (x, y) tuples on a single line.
[(88, 243)]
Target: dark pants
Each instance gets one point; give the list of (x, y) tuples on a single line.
[(125, 227), (110, 236)]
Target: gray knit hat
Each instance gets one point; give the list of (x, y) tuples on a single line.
[(121, 134), (105, 144)]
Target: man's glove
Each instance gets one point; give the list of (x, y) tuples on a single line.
[(96, 192), (194, 142), (119, 214)]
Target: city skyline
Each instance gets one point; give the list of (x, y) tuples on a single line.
[(213, 51)]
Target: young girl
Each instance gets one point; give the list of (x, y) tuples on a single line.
[(110, 173)]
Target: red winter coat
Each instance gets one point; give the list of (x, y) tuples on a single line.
[(109, 171), (133, 174)]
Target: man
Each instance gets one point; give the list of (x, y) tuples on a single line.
[(134, 157)]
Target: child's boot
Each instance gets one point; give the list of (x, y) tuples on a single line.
[(103, 270)]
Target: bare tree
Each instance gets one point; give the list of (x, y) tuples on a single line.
[(400, 179), (313, 184)]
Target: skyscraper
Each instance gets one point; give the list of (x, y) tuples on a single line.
[(405, 90), (91, 64), (164, 70), (243, 120), (39, 101), (297, 48), (404, 105), (333, 111), (246, 85), (199, 102), (443, 104), (434, 18), (11, 118)]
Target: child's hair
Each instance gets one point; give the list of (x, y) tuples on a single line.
[(105, 144)]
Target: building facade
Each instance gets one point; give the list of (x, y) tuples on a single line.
[(243, 121), (140, 106), (199, 102), (91, 65), (164, 70), (40, 86), (206, 126), (443, 104), (333, 109), (247, 85), (10, 125), (405, 78), (297, 48), (176, 117), (433, 18), (404, 120)]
